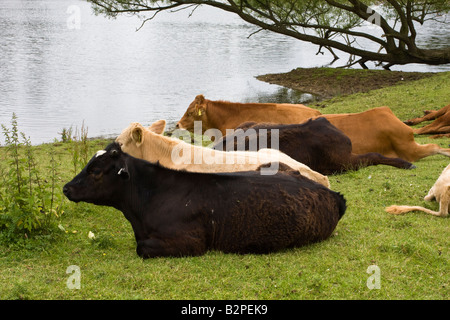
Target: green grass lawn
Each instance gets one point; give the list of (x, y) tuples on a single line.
[(411, 250)]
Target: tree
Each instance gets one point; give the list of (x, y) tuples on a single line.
[(330, 24)]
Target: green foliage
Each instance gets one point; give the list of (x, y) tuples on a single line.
[(66, 135), (28, 203), (78, 146)]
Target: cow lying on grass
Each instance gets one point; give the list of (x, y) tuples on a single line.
[(149, 144), (315, 143), (375, 130), (180, 213), (224, 115), (440, 192)]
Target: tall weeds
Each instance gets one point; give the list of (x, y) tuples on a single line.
[(79, 146), (28, 199)]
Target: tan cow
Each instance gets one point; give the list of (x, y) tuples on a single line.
[(149, 144), (224, 115), (379, 130), (440, 192)]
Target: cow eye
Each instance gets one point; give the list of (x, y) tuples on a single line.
[(95, 171)]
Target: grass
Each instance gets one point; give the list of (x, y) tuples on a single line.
[(407, 99), (326, 83), (411, 250)]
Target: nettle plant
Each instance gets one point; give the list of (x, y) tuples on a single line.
[(28, 199)]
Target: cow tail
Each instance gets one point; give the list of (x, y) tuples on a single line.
[(444, 204), (404, 209)]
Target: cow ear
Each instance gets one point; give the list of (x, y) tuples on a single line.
[(114, 153), (137, 134), (200, 99), (200, 105), (158, 126)]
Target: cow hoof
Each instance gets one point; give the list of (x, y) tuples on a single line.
[(412, 167)]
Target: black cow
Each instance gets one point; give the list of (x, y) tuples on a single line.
[(180, 213), (316, 143)]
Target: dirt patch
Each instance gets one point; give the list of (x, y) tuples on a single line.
[(326, 83)]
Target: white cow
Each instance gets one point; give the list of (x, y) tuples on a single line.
[(440, 192)]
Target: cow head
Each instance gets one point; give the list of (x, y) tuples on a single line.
[(132, 138), (101, 180), (195, 112)]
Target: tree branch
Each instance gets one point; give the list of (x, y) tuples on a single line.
[(329, 19)]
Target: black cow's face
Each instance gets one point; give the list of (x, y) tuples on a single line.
[(101, 179)]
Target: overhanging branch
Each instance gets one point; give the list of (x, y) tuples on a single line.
[(295, 18)]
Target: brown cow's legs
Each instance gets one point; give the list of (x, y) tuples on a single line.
[(429, 115), (428, 130), (440, 135), (421, 151)]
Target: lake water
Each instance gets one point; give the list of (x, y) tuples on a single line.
[(61, 66)]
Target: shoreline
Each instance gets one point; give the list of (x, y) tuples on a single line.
[(323, 83), (327, 83)]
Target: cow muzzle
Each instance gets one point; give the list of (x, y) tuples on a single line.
[(67, 190)]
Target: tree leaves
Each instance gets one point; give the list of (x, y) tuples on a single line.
[(330, 24)]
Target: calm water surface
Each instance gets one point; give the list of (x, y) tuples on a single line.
[(61, 66)]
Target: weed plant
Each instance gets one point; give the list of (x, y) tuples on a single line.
[(79, 147), (28, 201)]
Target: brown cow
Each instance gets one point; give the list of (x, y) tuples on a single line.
[(315, 143), (440, 125), (224, 115), (375, 130), (379, 130)]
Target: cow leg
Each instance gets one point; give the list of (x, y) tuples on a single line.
[(374, 158), (429, 115), (444, 130), (154, 247), (435, 149), (440, 135), (151, 248), (430, 196), (444, 203), (418, 151)]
